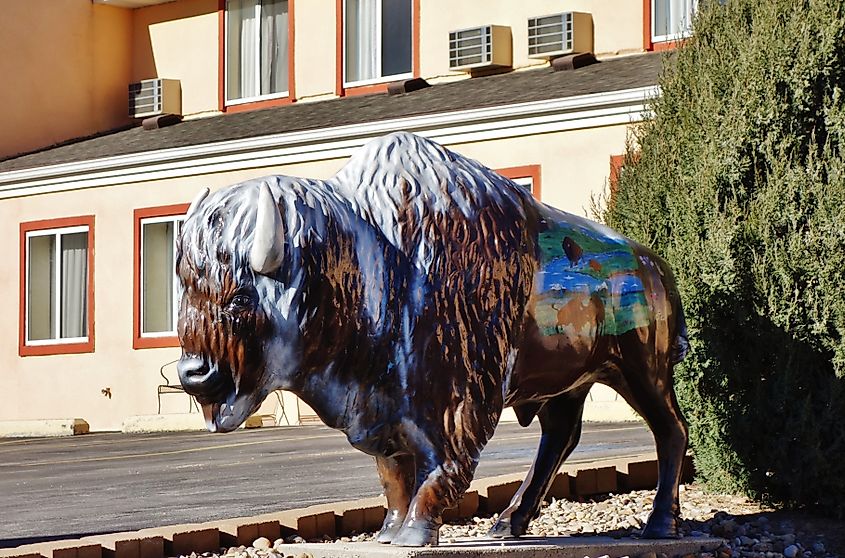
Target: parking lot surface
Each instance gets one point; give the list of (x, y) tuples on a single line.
[(56, 488)]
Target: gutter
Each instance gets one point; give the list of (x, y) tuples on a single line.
[(450, 128)]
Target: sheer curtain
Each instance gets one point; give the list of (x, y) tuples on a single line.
[(257, 48), (242, 34), (673, 17), (74, 287), (362, 40), (274, 47)]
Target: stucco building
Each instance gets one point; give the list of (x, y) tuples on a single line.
[(90, 201)]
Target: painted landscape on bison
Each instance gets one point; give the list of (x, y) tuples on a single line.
[(584, 263)]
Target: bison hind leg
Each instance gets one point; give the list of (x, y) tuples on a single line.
[(560, 419), (646, 384)]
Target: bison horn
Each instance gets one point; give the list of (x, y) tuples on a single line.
[(198, 199), (268, 244)]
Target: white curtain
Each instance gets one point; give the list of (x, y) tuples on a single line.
[(274, 47), (362, 40), (673, 17), (74, 279), (242, 34)]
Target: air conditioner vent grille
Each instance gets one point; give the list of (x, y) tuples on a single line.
[(152, 97), (549, 34), (559, 34), (470, 47), (145, 97), (488, 46)]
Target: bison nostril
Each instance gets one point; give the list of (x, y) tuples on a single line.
[(205, 382), (192, 371)]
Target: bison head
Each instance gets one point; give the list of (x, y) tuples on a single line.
[(232, 312)]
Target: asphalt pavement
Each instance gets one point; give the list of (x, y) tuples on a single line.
[(56, 488)]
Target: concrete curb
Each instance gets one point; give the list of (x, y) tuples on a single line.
[(489, 495), (182, 422), (526, 547), (175, 422), (43, 428)]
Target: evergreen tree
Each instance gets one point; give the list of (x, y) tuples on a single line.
[(737, 178)]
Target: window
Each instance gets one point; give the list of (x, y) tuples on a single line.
[(57, 286), (527, 176), (378, 40), (257, 53), (157, 289), (671, 19)]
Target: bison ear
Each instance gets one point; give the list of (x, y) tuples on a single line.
[(268, 245), (198, 199)]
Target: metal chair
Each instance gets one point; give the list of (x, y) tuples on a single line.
[(280, 410), (170, 387)]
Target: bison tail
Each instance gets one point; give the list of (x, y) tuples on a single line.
[(680, 347)]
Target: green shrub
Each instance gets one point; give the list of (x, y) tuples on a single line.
[(738, 179)]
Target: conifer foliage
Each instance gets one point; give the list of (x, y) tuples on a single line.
[(738, 179)]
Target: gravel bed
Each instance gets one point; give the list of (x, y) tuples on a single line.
[(744, 524)]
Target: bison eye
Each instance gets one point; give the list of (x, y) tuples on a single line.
[(241, 300)]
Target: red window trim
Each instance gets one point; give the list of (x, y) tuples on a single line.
[(138, 340), (339, 88), (616, 162), (648, 43), (56, 348), (221, 66), (524, 171)]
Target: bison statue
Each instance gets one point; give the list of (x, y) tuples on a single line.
[(408, 300)]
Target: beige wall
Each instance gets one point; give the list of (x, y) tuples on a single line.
[(573, 165), (74, 59), (65, 66), (617, 26), (179, 40), (70, 385), (617, 29)]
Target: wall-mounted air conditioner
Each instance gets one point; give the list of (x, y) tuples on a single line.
[(560, 34), (488, 46), (152, 97)]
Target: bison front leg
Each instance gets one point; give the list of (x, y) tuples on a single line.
[(560, 419), (397, 476), (440, 483)]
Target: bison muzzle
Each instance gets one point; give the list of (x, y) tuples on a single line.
[(411, 298)]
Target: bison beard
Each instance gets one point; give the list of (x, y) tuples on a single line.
[(407, 301)]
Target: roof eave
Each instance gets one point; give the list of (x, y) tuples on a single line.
[(513, 120)]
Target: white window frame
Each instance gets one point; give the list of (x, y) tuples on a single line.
[(57, 246), (693, 5), (257, 51), (382, 79), (526, 182), (177, 292)]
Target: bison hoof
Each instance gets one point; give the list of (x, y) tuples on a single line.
[(390, 528), (417, 533), (387, 534), (661, 527), (506, 528)]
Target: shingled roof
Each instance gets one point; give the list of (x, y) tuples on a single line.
[(481, 92)]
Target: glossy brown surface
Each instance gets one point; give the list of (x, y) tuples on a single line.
[(408, 300)]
